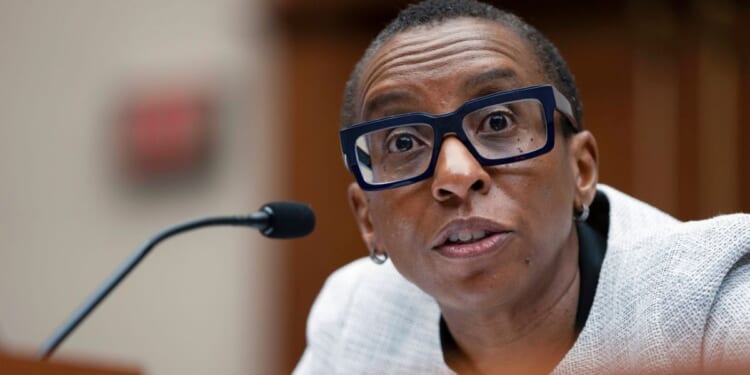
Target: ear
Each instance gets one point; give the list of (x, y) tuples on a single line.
[(585, 165), (360, 205)]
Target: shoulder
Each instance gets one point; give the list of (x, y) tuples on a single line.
[(368, 317), (641, 235), (728, 327), (681, 286), (687, 261), (358, 283), (329, 315), (332, 309), (335, 298)]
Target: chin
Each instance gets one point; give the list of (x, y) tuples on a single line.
[(485, 288)]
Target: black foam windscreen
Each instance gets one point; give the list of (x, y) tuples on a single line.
[(288, 220)]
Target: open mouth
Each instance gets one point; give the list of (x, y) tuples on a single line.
[(472, 244), (467, 237), (471, 237)]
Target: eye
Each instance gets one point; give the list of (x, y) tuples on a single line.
[(401, 143), (407, 139), (497, 122)]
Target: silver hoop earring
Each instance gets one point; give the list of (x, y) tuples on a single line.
[(377, 258), (581, 216)]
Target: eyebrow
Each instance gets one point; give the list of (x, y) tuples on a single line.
[(502, 74), (380, 101)]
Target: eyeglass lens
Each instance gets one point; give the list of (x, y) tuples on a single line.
[(496, 132)]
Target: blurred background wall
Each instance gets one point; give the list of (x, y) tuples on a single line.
[(665, 87), (201, 303)]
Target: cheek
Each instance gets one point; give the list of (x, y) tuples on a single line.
[(398, 225), (538, 198), (552, 211), (396, 219)]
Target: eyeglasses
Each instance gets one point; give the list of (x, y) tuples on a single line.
[(500, 128)]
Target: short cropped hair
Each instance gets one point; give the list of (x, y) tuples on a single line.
[(434, 12)]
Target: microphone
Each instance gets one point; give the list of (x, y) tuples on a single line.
[(283, 220), (274, 220)]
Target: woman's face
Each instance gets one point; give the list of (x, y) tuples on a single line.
[(484, 237)]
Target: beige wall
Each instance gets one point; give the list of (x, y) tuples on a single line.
[(201, 303)]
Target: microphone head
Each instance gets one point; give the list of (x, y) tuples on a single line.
[(288, 220)]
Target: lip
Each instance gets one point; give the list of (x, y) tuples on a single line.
[(498, 235)]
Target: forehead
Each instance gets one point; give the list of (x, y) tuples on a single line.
[(447, 62)]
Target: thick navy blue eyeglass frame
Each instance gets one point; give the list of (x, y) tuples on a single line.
[(452, 123)]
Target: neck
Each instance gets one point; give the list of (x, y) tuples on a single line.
[(530, 337)]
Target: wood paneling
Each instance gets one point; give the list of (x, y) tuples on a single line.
[(316, 68), (742, 41), (599, 54), (655, 104), (687, 130), (718, 93)]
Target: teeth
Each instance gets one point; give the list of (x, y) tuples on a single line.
[(468, 236), (478, 235)]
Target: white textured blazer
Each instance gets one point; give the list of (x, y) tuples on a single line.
[(669, 294)]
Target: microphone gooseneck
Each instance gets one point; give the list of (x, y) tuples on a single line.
[(274, 220)]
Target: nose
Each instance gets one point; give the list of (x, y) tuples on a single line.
[(457, 173)]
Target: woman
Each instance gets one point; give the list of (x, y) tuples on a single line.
[(505, 255)]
